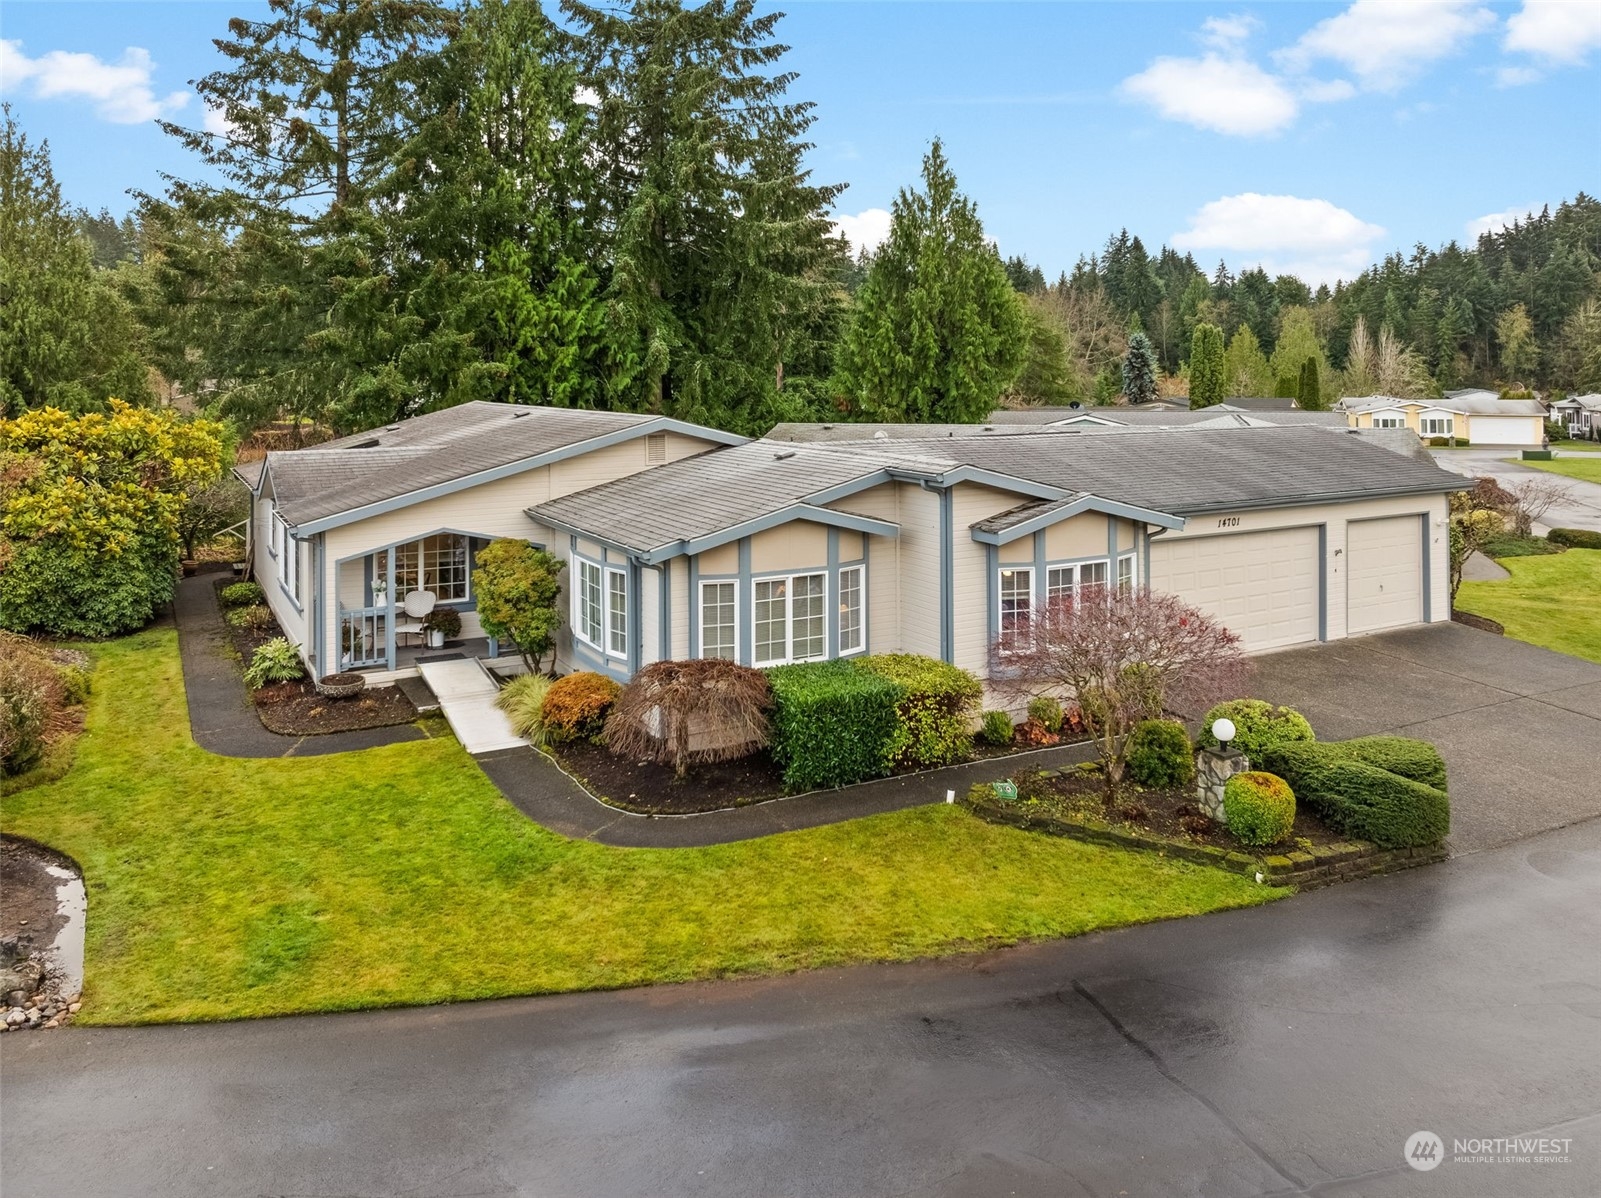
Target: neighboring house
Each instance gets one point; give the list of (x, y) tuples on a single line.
[(776, 551), (1581, 415), (1122, 416), (1478, 417), (344, 530)]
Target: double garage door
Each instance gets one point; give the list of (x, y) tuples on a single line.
[(1264, 585)]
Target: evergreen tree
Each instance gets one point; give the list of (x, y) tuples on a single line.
[(67, 338), (1519, 351), (1309, 394), (1139, 370), (718, 260), (1207, 370), (938, 331), (1455, 326), (1245, 366)]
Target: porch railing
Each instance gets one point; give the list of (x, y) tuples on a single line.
[(363, 637)]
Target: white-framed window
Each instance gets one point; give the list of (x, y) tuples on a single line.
[(852, 610), (1017, 605), (288, 561), (617, 613), (275, 529), (600, 607), (719, 619), (441, 563), (1436, 426), (1064, 581), (1389, 420), (1125, 572), (790, 618)]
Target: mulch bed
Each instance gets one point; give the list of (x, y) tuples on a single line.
[(1079, 794), (1483, 623), (28, 911), (296, 709)]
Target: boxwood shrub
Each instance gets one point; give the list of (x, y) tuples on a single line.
[(833, 723), (242, 594), (1160, 754), (996, 729), (1575, 538), (934, 715), (1258, 807), (1258, 727), (1358, 798)]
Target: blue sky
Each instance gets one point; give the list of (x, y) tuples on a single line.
[(1310, 137)]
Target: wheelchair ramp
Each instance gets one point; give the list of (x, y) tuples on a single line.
[(466, 696)]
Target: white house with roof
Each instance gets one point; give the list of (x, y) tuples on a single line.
[(682, 541), (1475, 417), (1580, 415)]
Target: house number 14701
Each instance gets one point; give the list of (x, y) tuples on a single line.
[(1228, 522)]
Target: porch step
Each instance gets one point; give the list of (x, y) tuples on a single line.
[(415, 689), (467, 697)]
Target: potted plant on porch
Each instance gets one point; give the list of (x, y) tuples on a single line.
[(440, 625)]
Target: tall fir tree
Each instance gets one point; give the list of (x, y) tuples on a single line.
[(938, 332), (1308, 391), (1139, 370), (718, 259), (1208, 384)]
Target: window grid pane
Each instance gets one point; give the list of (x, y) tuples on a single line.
[(1125, 573), (1017, 601), (717, 619), (1092, 574), (850, 610), (769, 611), (589, 601), (1059, 581), (617, 610), (809, 637)]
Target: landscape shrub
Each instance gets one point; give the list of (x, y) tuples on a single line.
[(1415, 759), (523, 701), (576, 706), (1575, 538), (76, 678), (1034, 734), (996, 729), (1258, 727), (242, 594), (1047, 711), (833, 723), (32, 693), (678, 713), (276, 661), (1258, 807), (1160, 754), (935, 711), (1359, 799), (257, 616), (518, 588), (1446, 442)]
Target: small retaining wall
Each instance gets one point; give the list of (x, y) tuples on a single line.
[(1321, 866)]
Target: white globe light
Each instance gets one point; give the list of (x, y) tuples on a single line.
[(1223, 729)]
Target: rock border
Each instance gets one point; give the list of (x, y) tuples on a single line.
[(1323, 865)]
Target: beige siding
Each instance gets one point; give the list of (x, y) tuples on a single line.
[(798, 545), (722, 560), (884, 556), (850, 545), (650, 614), (970, 571), (679, 613), (919, 570), (1079, 536)]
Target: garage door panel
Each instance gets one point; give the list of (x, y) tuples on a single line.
[(1262, 585), (1384, 573)]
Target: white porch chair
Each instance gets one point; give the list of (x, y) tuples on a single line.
[(416, 605)]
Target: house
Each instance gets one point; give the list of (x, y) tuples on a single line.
[(777, 550), (1581, 415), (342, 531), (1476, 417), (1123, 416)]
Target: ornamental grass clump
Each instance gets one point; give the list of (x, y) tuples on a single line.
[(523, 701), (679, 713)]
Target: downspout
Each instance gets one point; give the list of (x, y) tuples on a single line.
[(1145, 572)]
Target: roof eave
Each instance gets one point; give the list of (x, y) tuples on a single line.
[(1084, 503)]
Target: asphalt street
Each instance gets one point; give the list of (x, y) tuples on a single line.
[(1580, 508), (1291, 1049)]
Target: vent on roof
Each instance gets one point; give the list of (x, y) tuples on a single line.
[(518, 415), (655, 448), (372, 444), (394, 428), (782, 454), (881, 435)]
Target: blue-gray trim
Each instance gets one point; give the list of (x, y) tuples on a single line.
[(661, 424), (664, 587), (636, 616), (947, 577), (866, 525), (1322, 582), (989, 478), (867, 602), (744, 629), (843, 490), (1083, 503), (992, 567), (693, 606), (389, 623), (1428, 571), (1111, 546), (1040, 567), (1145, 575), (831, 602)]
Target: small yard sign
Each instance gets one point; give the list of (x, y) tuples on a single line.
[(1005, 790)]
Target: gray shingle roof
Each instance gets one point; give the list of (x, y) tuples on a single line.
[(436, 448), (1062, 420), (1474, 403)]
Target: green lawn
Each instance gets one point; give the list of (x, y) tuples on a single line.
[(1552, 601), (223, 888), (1586, 469)]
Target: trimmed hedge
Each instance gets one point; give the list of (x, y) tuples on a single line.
[(1415, 759), (1575, 538), (1258, 807), (242, 594), (1258, 726), (1358, 798), (833, 723), (934, 713), (1160, 754)]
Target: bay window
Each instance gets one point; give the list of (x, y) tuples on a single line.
[(600, 607)]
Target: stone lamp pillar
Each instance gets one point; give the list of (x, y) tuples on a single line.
[(1213, 768)]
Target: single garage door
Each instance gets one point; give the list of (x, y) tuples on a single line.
[(1262, 585), (1507, 430), (1384, 573)]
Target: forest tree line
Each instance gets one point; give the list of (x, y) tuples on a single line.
[(409, 204)]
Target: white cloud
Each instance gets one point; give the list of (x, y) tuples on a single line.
[(1228, 33), (1313, 239), (1385, 43), (866, 230), (1558, 32), (121, 91), (1221, 92), (1493, 222), (586, 95)]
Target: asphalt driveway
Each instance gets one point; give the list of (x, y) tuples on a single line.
[(1519, 726), (1581, 508)]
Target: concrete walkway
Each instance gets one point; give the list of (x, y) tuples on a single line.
[(466, 696), (221, 717)]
